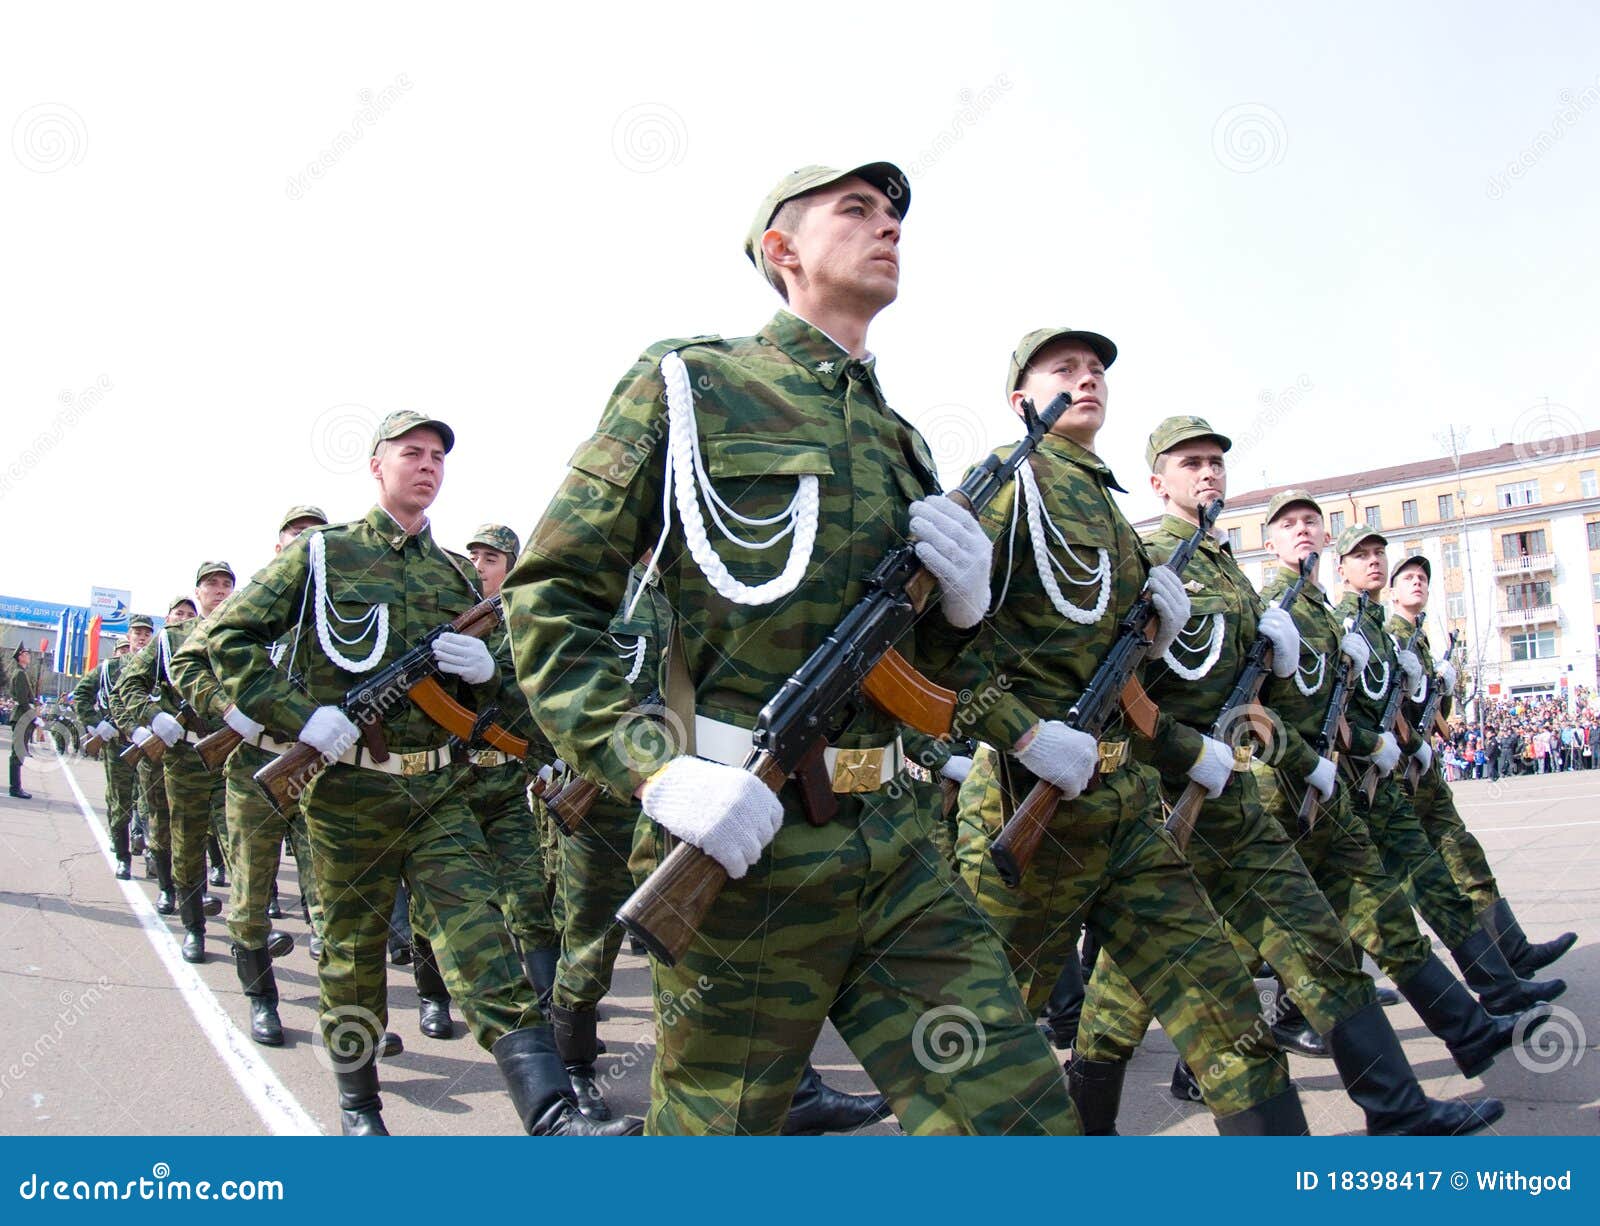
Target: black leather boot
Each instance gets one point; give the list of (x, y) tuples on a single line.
[(124, 869), (539, 965), (279, 944), (433, 1004), (1185, 1087), (210, 904), (1280, 1116), (166, 903), (390, 1045), (1065, 1006), (274, 910), (1488, 974), (818, 1108), (1096, 1089), (314, 948), (360, 1108), (578, 1045), (16, 780), (1292, 1030), (1387, 997), (1473, 1036), (261, 988), (119, 849), (539, 1089), (1499, 922), (194, 924), (1376, 1076), (219, 872), (136, 834)]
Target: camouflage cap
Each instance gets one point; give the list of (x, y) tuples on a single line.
[(885, 176), (1355, 534), (1287, 498), (213, 568), (1415, 559), (303, 511), (144, 620), (182, 598), (406, 420), (496, 536), (1171, 431), (1036, 340)]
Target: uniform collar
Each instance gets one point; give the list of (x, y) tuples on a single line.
[(1282, 576), (1181, 528), (1065, 449), (814, 350), (388, 527)]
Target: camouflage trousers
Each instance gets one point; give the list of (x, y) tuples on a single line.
[(256, 831), (1106, 861), (1265, 894), (1463, 855), (197, 800), (861, 922), (499, 797), (1413, 861), (366, 829), (153, 804), (1371, 904), (593, 882), (121, 785)]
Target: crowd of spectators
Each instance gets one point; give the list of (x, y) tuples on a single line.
[(1523, 736)]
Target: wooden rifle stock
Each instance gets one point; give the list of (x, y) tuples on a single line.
[(133, 754), (92, 745), (215, 748), (285, 779)]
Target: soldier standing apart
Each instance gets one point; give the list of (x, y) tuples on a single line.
[(92, 698), (256, 830), (349, 599), (22, 716), (788, 437), (1431, 797)]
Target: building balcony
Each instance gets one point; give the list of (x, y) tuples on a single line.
[(1527, 564), (1516, 619)]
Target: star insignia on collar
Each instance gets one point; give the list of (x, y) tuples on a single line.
[(824, 368)]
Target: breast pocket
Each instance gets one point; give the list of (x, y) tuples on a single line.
[(755, 481)]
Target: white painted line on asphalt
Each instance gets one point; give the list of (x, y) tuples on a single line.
[(279, 1110), (1545, 826)]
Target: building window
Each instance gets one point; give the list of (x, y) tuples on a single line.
[(1595, 579), (1588, 485), (1594, 534), (1374, 517), (1528, 595), (1515, 545), (1452, 554), (1534, 645), (1447, 506), (1408, 512), (1455, 606), (1263, 534), (1516, 494), (1236, 539), (1336, 526)]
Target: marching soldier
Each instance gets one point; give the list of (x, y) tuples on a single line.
[(1243, 858), (349, 599), (857, 920), (1105, 860), (195, 797), (92, 698), (1389, 817), (1431, 797), (256, 830), (22, 717)]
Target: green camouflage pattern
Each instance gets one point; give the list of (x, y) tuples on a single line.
[(403, 421), (152, 784), (1170, 431), (91, 697), (858, 921)]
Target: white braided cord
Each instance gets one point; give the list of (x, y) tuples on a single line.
[(1318, 672), (1047, 566), (322, 606), (1213, 653)]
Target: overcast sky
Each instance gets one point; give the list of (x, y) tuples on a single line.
[(235, 238)]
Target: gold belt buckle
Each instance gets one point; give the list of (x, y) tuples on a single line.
[(1112, 755), (416, 763), (484, 757), (1243, 755), (858, 770)]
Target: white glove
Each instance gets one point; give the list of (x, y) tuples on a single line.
[(726, 812), (1278, 626), (167, 728), (1358, 649), (38, 722), (1323, 778), (1387, 753), (1215, 767), (464, 657), (1171, 603), (242, 723), (957, 768), (1411, 666), (141, 735), (1061, 756), (105, 730), (1447, 676), (952, 545), (1424, 756), (330, 732)]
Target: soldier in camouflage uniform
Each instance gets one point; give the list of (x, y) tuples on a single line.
[(128, 703), (195, 797), (92, 698), (256, 830), (1389, 817), (1105, 860), (1431, 797), (1243, 858), (349, 599), (857, 920), (23, 713)]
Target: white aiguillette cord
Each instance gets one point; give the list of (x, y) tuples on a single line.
[(1047, 566), (322, 606), (684, 458)]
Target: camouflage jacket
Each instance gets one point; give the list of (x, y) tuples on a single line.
[(770, 409), (1366, 711), (91, 697), (1400, 628), (1035, 662), (147, 684), (371, 562), (195, 675)]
